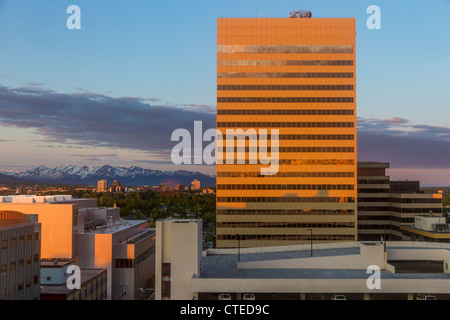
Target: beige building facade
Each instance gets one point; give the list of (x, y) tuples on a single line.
[(178, 257), (289, 272), (385, 206)]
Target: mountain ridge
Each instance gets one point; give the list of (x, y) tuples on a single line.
[(131, 175)]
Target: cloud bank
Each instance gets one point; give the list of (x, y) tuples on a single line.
[(88, 119), (403, 144)]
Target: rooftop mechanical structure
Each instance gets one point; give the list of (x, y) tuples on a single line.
[(300, 14)]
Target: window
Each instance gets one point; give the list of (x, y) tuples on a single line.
[(165, 281), (21, 263), (4, 244), (12, 266), (166, 269), (165, 289), (21, 240), (124, 263), (3, 269), (13, 242)]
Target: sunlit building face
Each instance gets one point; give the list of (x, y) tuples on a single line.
[(296, 76)]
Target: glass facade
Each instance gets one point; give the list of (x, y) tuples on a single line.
[(285, 74), (285, 49), (298, 87), (296, 76), (285, 62)]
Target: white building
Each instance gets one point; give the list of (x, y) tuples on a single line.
[(178, 257), (406, 269)]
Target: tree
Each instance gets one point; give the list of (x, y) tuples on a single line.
[(446, 201)]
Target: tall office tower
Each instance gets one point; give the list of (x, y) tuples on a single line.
[(102, 185), (297, 76)]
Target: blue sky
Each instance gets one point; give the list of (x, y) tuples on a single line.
[(162, 53)]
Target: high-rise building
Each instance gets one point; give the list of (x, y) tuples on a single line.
[(297, 76), (195, 184), (102, 185)]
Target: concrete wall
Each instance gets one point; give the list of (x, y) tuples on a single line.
[(435, 286)]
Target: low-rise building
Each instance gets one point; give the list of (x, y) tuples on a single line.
[(93, 238), (20, 250), (427, 228), (54, 278), (385, 206), (405, 270), (58, 216), (125, 249)]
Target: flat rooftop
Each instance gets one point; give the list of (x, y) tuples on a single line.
[(25, 199), (219, 265), (86, 276), (117, 226)]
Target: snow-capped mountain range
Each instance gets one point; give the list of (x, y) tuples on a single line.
[(132, 175)]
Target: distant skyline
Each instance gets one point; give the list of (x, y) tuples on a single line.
[(113, 92)]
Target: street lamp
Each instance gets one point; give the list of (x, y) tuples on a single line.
[(239, 247), (310, 230)]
